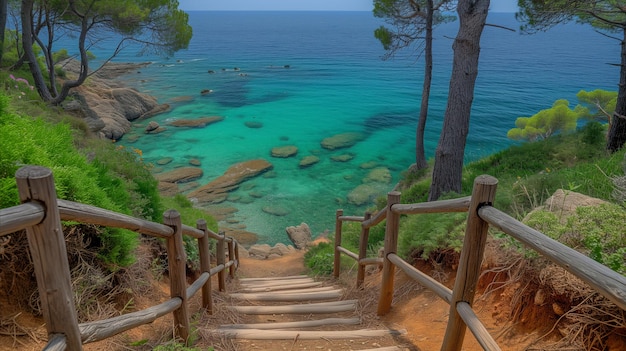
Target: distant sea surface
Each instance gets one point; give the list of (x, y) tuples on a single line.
[(306, 76)]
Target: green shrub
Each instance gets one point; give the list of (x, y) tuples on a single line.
[(429, 232), (320, 259)]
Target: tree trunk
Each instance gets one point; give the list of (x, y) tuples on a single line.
[(448, 167), (617, 130), (4, 8), (26, 15), (420, 153)]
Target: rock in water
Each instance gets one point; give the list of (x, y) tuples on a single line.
[(299, 235)]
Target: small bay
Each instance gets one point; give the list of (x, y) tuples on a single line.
[(300, 77)]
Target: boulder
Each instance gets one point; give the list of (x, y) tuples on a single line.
[(342, 140), (197, 122), (105, 104), (281, 249), (217, 190), (180, 175), (152, 126), (260, 251), (299, 235), (284, 151), (308, 161), (168, 189)]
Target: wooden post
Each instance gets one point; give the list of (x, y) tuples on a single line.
[(231, 257), (205, 265), (221, 260), (237, 254), (365, 233), (177, 259), (391, 246), (337, 263), (49, 254), (467, 275)]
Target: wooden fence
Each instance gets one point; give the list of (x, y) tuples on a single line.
[(481, 214), (41, 213)]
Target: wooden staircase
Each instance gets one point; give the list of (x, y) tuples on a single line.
[(299, 313)]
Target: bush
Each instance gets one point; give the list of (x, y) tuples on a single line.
[(426, 233), (320, 259)]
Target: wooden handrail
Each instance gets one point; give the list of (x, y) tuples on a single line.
[(348, 253), (427, 281), (607, 282), (40, 214), (21, 216), (453, 205), (379, 217), (74, 211)]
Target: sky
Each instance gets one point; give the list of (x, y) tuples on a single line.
[(305, 5)]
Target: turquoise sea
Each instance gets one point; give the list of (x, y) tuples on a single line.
[(306, 76)]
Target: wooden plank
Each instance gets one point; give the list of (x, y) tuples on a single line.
[(348, 253), (379, 217), (351, 218), (106, 328), (472, 253), (387, 348), (73, 211), (363, 244), (306, 290), (273, 278), (49, 255), (371, 261), (177, 260), (453, 205), (314, 296), (317, 308), (609, 283), (276, 282), (282, 288), (56, 342), (21, 216), (337, 254), (204, 252), (198, 284), (476, 327), (257, 334), (428, 282), (391, 246), (300, 324)]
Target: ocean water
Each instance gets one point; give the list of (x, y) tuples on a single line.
[(306, 76)]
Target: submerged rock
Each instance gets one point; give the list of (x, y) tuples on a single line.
[(342, 157), (342, 140), (276, 210), (308, 161), (217, 190), (379, 175), (284, 151), (180, 175), (196, 123)]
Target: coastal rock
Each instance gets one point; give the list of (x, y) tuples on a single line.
[(284, 151), (379, 175), (244, 238), (299, 235), (152, 126), (265, 251), (180, 175), (195, 162), (308, 161), (217, 190), (196, 123), (260, 251), (342, 157), (105, 104), (342, 140), (164, 161), (168, 189)]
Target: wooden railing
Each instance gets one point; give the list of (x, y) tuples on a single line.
[(481, 214), (40, 214)]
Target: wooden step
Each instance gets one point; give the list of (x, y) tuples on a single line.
[(259, 334), (273, 278), (313, 296), (261, 288), (288, 325), (317, 308), (293, 291)]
